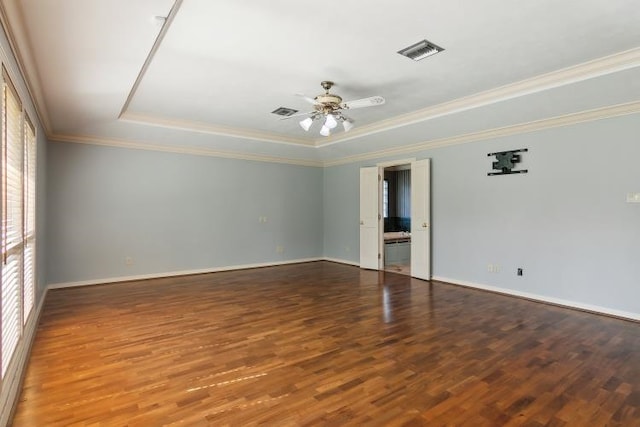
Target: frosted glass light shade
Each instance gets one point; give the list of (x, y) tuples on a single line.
[(330, 122), (347, 125), (306, 124), (325, 131)]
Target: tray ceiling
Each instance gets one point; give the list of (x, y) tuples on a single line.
[(212, 75)]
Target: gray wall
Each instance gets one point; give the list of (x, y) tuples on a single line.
[(172, 212), (566, 222)]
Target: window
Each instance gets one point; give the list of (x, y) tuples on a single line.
[(18, 219)]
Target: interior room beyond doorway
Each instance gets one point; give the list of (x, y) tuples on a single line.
[(396, 207)]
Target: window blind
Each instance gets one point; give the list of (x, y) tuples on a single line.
[(29, 217), (10, 307), (12, 219)]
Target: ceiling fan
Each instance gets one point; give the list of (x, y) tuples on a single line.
[(329, 107)]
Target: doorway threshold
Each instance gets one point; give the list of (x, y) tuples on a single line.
[(399, 268)]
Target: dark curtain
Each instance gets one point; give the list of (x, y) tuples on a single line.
[(399, 193), (403, 193)]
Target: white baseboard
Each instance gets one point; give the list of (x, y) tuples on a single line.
[(12, 382), (542, 298), (342, 261), (505, 291), (176, 273)]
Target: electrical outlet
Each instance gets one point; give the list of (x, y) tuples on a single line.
[(280, 249), (128, 261), (496, 268), (490, 268), (519, 271)]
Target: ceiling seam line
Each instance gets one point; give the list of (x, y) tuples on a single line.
[(156, 45)]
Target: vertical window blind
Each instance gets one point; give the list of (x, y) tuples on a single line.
[(29, 218), (18, 219)]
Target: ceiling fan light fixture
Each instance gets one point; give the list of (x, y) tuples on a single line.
[(325, 131), (329, 108), (306, 124)]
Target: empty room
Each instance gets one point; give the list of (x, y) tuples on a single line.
[(365, 213)]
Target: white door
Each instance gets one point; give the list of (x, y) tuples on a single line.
[(369, 218), (421, 219)]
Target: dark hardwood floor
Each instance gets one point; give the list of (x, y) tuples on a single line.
[(323, 344)]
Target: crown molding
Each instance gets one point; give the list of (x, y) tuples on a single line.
[(537, 125), (201, 127), (599, 67), (587, 70), (134, 145), (12, 19)]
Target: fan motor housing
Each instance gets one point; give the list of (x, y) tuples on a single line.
[(328, 98)]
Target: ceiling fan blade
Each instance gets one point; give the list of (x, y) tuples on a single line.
[(298, 115), (364, 102), (308, 99)]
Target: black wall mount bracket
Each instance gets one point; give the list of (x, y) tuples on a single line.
[(506, 162)]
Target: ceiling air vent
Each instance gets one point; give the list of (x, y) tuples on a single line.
[(420, 50), (284, 111)]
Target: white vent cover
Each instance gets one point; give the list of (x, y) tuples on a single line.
[(420, 50)]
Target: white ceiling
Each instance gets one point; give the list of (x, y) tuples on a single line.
[(220, 67)]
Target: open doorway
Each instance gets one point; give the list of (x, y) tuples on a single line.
[(396, 209), (372, 209)]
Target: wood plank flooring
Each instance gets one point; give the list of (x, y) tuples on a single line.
[(323, 344)]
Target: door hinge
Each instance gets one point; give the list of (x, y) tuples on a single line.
[(379, 217), (379, 256), (379, 177)]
